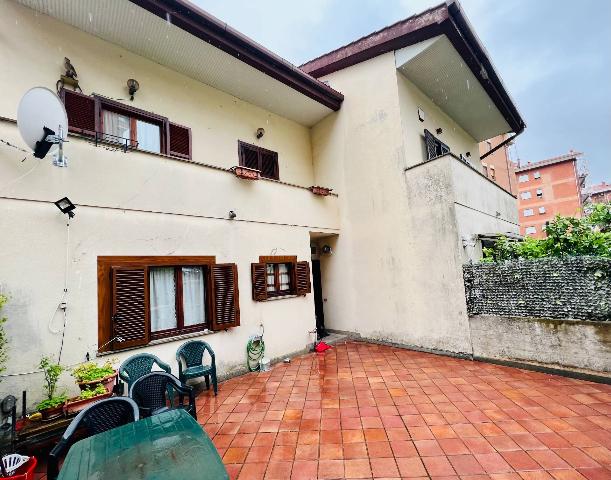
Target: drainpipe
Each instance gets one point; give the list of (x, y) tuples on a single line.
[(501, 145)]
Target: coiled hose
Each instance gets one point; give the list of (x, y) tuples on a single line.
[(255, 348)]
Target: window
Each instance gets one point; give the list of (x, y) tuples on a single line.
[(485, 168), (109, 121), (258, 158), (525, 195), (277, 276), (489, 143), (529, 212), (539, 193), (541, 209), (536, 175), (530, 230), (141, 299), (492, 174), (434, 147), (523, 178)]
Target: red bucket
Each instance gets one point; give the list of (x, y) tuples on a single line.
[(26, 471)]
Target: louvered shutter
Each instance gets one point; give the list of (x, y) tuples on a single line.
[(269, 164), (226, 304), (259, 282), (179, 141), (431, 145), (80, 109), (129, 306), (249, 156), (302, 278)]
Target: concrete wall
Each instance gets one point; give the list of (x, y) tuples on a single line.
[(565, 343), (140, 203), (396, 270)]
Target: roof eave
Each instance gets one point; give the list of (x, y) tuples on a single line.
[(208, 28)]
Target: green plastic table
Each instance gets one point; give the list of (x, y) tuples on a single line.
[(171, 445)]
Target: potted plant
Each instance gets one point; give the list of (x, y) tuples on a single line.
[(53, 405), (87, 396), (89, 375)]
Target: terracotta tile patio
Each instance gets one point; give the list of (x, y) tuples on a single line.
[(370, 411)]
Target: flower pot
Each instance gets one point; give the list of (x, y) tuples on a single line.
[(25, 471), (106, 381), (322, 191), (246, 173), (53, 412), (76, 404)]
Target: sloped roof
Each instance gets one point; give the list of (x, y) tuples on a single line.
[(571, 156)]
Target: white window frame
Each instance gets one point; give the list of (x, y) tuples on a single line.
[(537, 175), (523, 178), (541, 210), (530, 230), (525, 195), (528, 212), (539, 193)]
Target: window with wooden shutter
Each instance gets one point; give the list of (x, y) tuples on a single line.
[(302, 278), (129, 306), (180, 141), (277, 276), (141, 299), (226, 311), (434, 147), (259, 158), (81, 111)]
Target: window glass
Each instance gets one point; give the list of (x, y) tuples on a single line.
[(285, 281), (193, 296), (528, 212), (523, 178), (162, 293), (116, 124), (148, 136), (531, 230), (525, 195), (539, 192), (537, 175), (541, 209), (271, 278)]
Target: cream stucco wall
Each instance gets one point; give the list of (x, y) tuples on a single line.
[(401, 247), (141, 204)]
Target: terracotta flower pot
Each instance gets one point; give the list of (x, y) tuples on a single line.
[(106, 381), (49, 413), (76, 404)]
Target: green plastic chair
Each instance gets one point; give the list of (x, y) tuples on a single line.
[(192, 354), (139, 365)]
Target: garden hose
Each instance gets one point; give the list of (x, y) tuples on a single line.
[(255, 348)]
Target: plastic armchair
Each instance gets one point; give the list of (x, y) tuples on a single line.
[(150, 393), (139, 365), (99, 417), (192, 354)]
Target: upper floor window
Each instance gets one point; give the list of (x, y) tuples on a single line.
[(525, 195), (112, 122), (523, 178), (259, 158), (434, 147), (541, 209), (531, 230), (529, 212), (536, 175), (539, 193), (492, 173)]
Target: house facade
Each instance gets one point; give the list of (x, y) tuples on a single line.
[(172, 241), (551, 187), (599, 193)]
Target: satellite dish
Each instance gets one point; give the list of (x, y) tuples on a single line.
[(42, 122)]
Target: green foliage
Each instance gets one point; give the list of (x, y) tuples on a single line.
[(590, 235), (88, 393), (52, 372), (51, 402), (91, 371), (3, 339)]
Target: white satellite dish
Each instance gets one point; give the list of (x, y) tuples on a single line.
[(43, 123)]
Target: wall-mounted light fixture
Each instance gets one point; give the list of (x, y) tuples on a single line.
[(260, 132), (439, 131), (326, 249), (232, 215), (468, 154), (66, 206), (132, 87)]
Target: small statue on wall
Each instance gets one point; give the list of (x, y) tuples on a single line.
[(69, 78)]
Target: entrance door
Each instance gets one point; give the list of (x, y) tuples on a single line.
[(318, 303)]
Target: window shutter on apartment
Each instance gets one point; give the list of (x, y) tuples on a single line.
[(129, 306), (259, 282), (269, 164), (226, 305), (431, 147), (249, 156), (302, 278), (179, 141), (81, 110)]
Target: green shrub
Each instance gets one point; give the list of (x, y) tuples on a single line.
[(51, 402), (52, 372), (88, 393), (90, 371)]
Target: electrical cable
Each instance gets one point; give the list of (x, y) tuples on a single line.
[(62, 303)]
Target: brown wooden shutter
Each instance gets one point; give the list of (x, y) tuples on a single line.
[(226, 303), (249, 156), (259, 282), (129, 306), (302, 278), (81, 112), (269, 164), (179, 141)]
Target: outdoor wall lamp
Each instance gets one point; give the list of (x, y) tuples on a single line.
[(439, 131), (260, 132), (327, 250), (232, 215), (468, 154), (132, 88), (66, 206)]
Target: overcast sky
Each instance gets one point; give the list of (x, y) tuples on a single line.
[(553, 55)]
